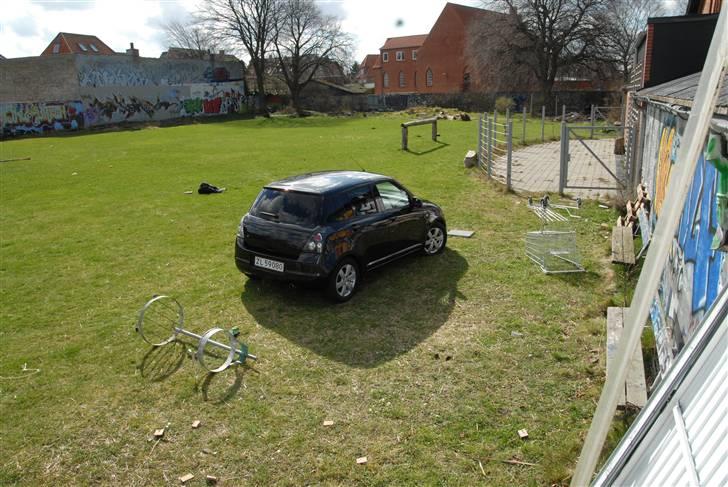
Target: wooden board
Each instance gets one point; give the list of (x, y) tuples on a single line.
[(460, 233), (622, 245), (635, 388)]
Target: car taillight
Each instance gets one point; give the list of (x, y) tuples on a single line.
[(315, 244)]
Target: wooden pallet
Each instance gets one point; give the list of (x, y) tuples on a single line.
[(635, 388), (622, 245)]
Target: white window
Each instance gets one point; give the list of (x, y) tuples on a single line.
[(94, 48), (401, 79), (414, 54), (83, 47), (56, 48), (385, 80), (385, 57), (428, 77), (400, 55)]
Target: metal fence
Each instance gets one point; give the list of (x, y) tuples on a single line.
[(495, 147)]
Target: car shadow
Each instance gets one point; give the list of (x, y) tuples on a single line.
[(396, 308)]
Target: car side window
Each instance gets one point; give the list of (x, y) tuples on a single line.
[(355, 202), (392, 196)]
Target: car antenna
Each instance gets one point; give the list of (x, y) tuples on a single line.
[(361, 167)]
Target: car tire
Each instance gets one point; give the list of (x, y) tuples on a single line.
[(435, 239), (343, 280)]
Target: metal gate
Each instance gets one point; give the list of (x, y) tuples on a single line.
[(618, 176), (495, 147)]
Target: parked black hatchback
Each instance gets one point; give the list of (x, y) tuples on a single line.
[(332, 227)]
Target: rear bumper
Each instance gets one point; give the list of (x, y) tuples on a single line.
[(307, 268)]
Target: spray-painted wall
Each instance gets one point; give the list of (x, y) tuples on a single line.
[(114, 89), (696, 270)]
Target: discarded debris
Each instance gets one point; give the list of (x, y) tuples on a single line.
[(460, 233), (211, 479), (328, 422), (605, 207), (437, 356), (513, 461), (361, 460), (522, 434), (516, 334), (449, 357), (16, 159), (196, 423), (186, 478), (159, 433), (188, 192), (481, 468), (206, 188)]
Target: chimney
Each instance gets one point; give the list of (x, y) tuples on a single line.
[(131, 51)]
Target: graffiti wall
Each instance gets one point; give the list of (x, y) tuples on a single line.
[(697, 267), (100, 106)]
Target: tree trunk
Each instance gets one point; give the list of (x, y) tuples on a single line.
[(260, 107), (296, 100)]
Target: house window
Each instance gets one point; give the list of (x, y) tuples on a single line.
[(56, 48), (385, 80), (385, 57), (414, 54), (83, 47), (466, 81), (400, 55), (428, 77), (401, 79), (94, 48)]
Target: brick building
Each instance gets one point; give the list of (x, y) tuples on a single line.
[(366, 69), (67, 43), (434, 62)]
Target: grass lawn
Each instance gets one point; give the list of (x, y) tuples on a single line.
[(419, 372)]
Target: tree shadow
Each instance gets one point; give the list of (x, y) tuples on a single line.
[(161, 362), (440, 145), (396, 308)]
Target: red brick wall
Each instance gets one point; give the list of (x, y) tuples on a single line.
[(648, 53), (443, 53), (393, 68)]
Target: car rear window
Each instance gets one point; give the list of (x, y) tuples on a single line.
[(288, 207)]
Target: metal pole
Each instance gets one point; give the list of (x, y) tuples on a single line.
[(508, 114), (495, 116), (531, 112), (510, 151), (563, 162), (523, 137), (491, 127), (479, 145), (563, 113), (556, 106), (543, 121), (591, 117)]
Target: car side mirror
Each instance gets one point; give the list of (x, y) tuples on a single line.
[(416, 203)]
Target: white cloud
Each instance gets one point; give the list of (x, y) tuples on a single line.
[(27, 27)]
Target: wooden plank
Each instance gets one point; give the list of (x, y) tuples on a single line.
[(622, 245), (615, 323), (635, 389)]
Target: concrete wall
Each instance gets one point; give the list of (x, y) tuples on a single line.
[(73, 92), (38, 79), (697, 267)]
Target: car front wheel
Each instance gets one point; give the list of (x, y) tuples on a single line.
[(435, 239), (343, 281)]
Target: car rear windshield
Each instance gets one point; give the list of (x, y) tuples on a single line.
[(288, 207)]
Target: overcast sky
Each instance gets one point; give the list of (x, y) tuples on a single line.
[(28, 26)]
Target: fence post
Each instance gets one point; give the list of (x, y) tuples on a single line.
[(564, 159), (563, 113), (556, 107), (491, 127), (543, 122), (479, 145), (510, 151), (508, 114), (404, 138), (523, 137), (434, 130), (495, 116), (591, 118), (531, 104)]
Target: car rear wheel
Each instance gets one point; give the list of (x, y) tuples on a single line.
[(435, 239), (343, 281)]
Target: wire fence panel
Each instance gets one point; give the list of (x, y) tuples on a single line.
[(495, 147)]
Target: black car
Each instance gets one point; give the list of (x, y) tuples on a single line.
[(332, 227)]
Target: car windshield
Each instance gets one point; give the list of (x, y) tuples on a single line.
[(288, 207)]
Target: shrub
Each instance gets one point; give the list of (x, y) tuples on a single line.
[(503, 103)]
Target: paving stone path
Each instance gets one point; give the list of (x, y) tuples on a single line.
[(536, 169)]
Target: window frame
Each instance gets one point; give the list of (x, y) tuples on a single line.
[(399, 55), (380, 200), (335, 198), (385, 80), (414, 54), (385, 57), (429, 77), (402, 80), (82, 46)]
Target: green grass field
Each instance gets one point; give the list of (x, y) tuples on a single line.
[(419, 372)]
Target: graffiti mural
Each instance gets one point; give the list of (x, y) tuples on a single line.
[(696, 271), (37, 118), (123, 71)]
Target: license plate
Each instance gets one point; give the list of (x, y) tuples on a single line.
[(273, 265)]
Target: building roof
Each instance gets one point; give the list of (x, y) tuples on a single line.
[(404, 41), (468, 14), (2, 57), (185, 53), (67, 43), (682, 91), (370, 60)]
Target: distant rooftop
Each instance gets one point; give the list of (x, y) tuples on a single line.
[(404, 41), (67, 43)]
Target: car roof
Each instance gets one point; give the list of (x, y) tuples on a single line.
[(326, 182)]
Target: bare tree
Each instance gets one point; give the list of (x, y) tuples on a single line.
[(192, 35), (305, 41), (250, 24), (624, 22), (551, 35)]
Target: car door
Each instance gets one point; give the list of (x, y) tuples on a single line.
[(406, 225), (361, 226)]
